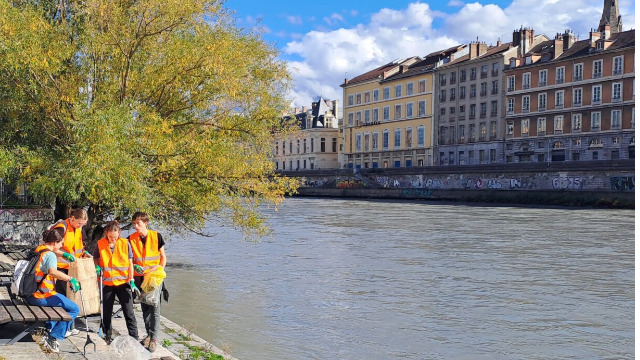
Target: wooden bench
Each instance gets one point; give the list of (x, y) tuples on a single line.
[(17, 311)]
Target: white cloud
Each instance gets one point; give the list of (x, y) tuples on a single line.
[(327, 54), (455, 3), (353, 12), (294, 19)]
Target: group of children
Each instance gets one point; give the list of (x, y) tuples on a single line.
[(121, 263)]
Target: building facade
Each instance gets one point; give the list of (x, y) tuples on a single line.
[(315, 142), (570, 100)]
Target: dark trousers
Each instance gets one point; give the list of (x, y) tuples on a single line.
[(150, 314), (61, 287), (123, 292)]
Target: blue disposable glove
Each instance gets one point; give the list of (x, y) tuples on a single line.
[(75, 284), (134, 288), (138, 269), (68, 257), (98, 270)]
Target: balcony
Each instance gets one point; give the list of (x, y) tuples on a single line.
[(461, 140), (510, 88), (443, 99), (542, 108), (452, 98), (559, 106), (463, 79), (617, 72), (452, 81), (597, 75), (542, 132), (596, 101), (577, 103), (525, 110), (443, 82), (472, 95), (542, 83), (472, 77), (483, 75), (526, 86), (483, 115), (472, 116), (483, 93), (461, 117), (577, 78), (452, 118), (616, 99), (482, 138), (493, 137), (510, 112), (560, 81), (472, 139), (462, 96), (494, 72), (494, 114)]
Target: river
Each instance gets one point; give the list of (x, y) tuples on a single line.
[(357, 279)]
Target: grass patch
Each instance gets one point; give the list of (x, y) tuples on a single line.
[(184, 337), (169, 330), (200, 353), (166, 343)]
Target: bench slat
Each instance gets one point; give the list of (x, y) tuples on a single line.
[(52, 314), (12, 310), (63, 314), (4, 315), (37, 311), (24, 310)]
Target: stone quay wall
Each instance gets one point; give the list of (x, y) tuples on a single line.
[(24, 226)]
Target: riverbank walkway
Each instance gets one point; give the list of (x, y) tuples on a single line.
[(174, 342)]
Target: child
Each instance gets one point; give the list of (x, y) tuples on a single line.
[(148, 253), (113, 259), (46, 295)]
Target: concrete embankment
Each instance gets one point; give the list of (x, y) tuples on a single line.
[(593, 183)]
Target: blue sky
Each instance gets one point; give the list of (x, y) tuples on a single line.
[(325, 41)]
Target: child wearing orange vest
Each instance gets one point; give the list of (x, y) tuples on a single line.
[(114, 262), (148, 253), (46, 295)]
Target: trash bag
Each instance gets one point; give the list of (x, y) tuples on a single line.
[(151, 298), (129, 348), (153, 279)]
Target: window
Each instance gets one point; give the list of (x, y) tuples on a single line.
[(367, 97), (409, 88), (408, 138), (542, 102), (397, 114), (577, 97), (374, 141), (576, 122), (358, 118), (615, 154), (385, 139), (596, 92), (483, 89), (484, 70), (481, 155), (350, 100), (472, 91), (452, 110), (617, 65), (461, 132), (422, 86), (472, 111), (526, 80), (397, 135), (453, 77), (452, 135), (472, 75), (452, 97), (616, 93), (494, 87), (597, 69), (366, 141), (291, 147), (542, 125), (595, 155), (559, 99), (525, 103), (472, 132), (494, 69), (595, 120), (409, 112), (494, 130), (511, 83), (443, 95), (492, 155), (471, 157), (443, 111), (443, 134), (577, 141), (385, 93), (358, 142), (510, 105), (560, 75), (398, 91), (577, 72), (375, 115), (443, 79), (385, 113), (615, 140), (312, 145), (542, 78), (510, 127), (304, 146), (616, 119), (462, 109), (367, 117), (463, 92), (494, 108), (524, 127), (483, 131), (483, 110), (558, 123), (422, 108), (420, 135), (463, 75), (358, 99), (334, 145), (558, 145)]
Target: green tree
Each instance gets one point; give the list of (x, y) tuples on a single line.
[(163, 106)]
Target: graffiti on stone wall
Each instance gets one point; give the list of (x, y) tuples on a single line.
[(24, 226), (315, 183), (623, 183), (520, 183), (494, 184), (382, 180), (350, 184), (472, 184), (435, 184), (563, 182), (417, 192)]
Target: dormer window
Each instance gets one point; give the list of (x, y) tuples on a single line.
[(527, 60), (512, 63), (599, 45)]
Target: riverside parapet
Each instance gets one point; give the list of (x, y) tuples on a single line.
[(589, 183)]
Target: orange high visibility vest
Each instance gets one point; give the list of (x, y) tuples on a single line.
[(72, 243), (147, 255), (115, 266), (47, 286)]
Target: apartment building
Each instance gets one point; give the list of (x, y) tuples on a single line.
[(388, 114), (315, 143), (570, 100)]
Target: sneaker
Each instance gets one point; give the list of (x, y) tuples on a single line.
[(52, 344), (153, 345), (145, 342), (72, 332)]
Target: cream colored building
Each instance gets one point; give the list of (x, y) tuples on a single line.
[(315, 146)]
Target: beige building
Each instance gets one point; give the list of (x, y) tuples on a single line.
[(388, 115), (315, 145)]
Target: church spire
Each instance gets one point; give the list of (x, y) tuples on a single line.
[(611, 16)]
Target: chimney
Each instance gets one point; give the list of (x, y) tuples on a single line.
[(346, 81), (334, 106), (304, 109), (593, 36), (473, 50), (607, 32), (557, 46), (568, 39), (482, 48), (523, 39), (498, 43), (296, 110)]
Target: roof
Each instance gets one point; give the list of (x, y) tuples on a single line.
[(493, 50), (377, 72)]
